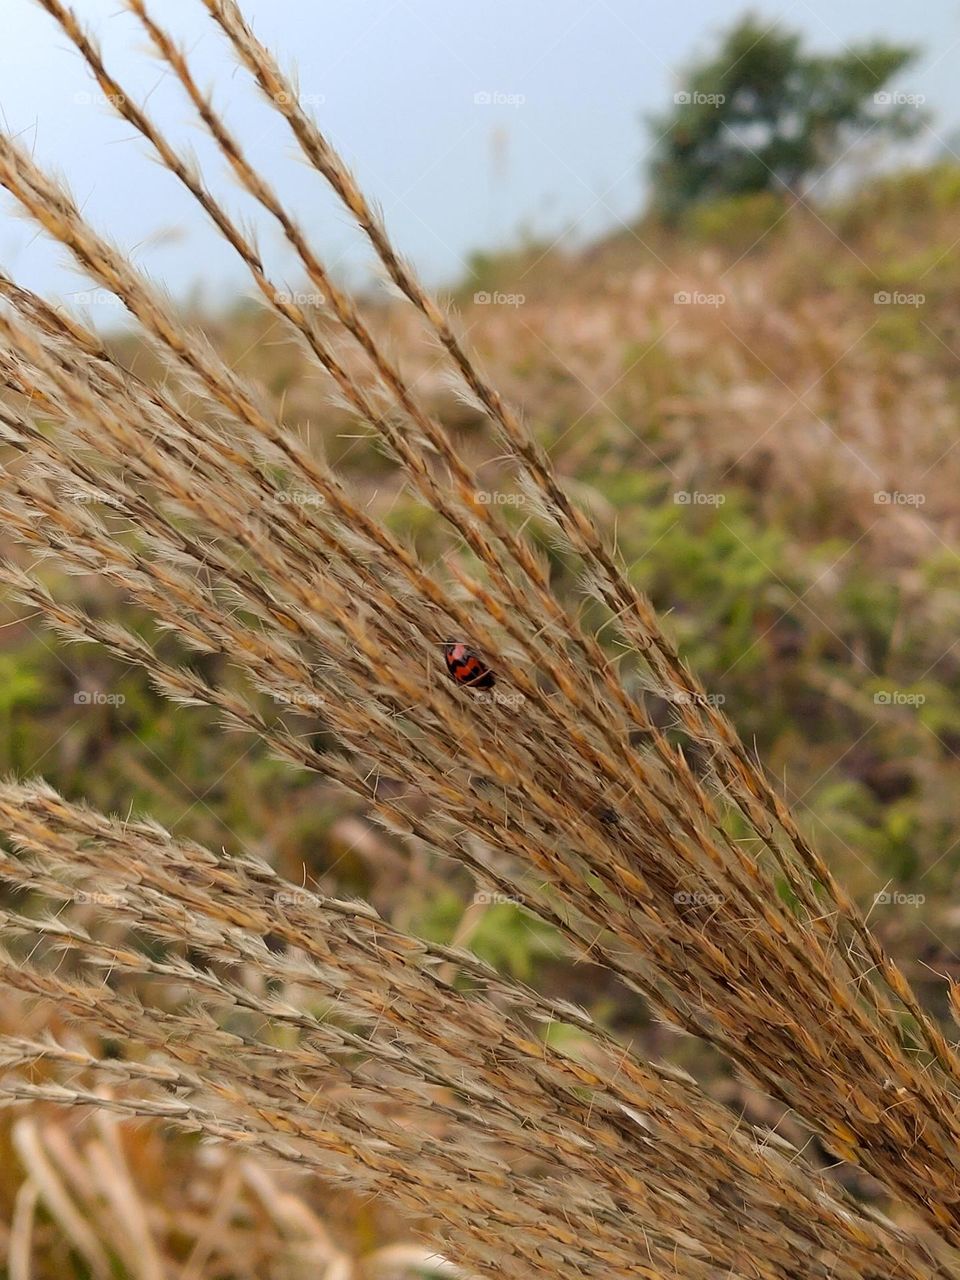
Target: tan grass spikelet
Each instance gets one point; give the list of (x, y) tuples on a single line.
[(347, 951), (686, 1014), (764, 809)]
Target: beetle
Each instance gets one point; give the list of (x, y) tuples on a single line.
[(465, 667)]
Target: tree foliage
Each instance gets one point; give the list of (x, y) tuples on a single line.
[(763, 114)]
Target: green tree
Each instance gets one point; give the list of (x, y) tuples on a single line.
[(763, 114)]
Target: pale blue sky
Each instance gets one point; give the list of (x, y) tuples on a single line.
[(393, 82)]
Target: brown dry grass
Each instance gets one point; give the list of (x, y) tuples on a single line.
[(347, 1046)]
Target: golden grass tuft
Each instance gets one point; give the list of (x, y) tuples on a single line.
[(313, 1031)]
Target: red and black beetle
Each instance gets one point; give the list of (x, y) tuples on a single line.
[(464, 666)]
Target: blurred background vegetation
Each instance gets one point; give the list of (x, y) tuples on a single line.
[(754, 388)]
